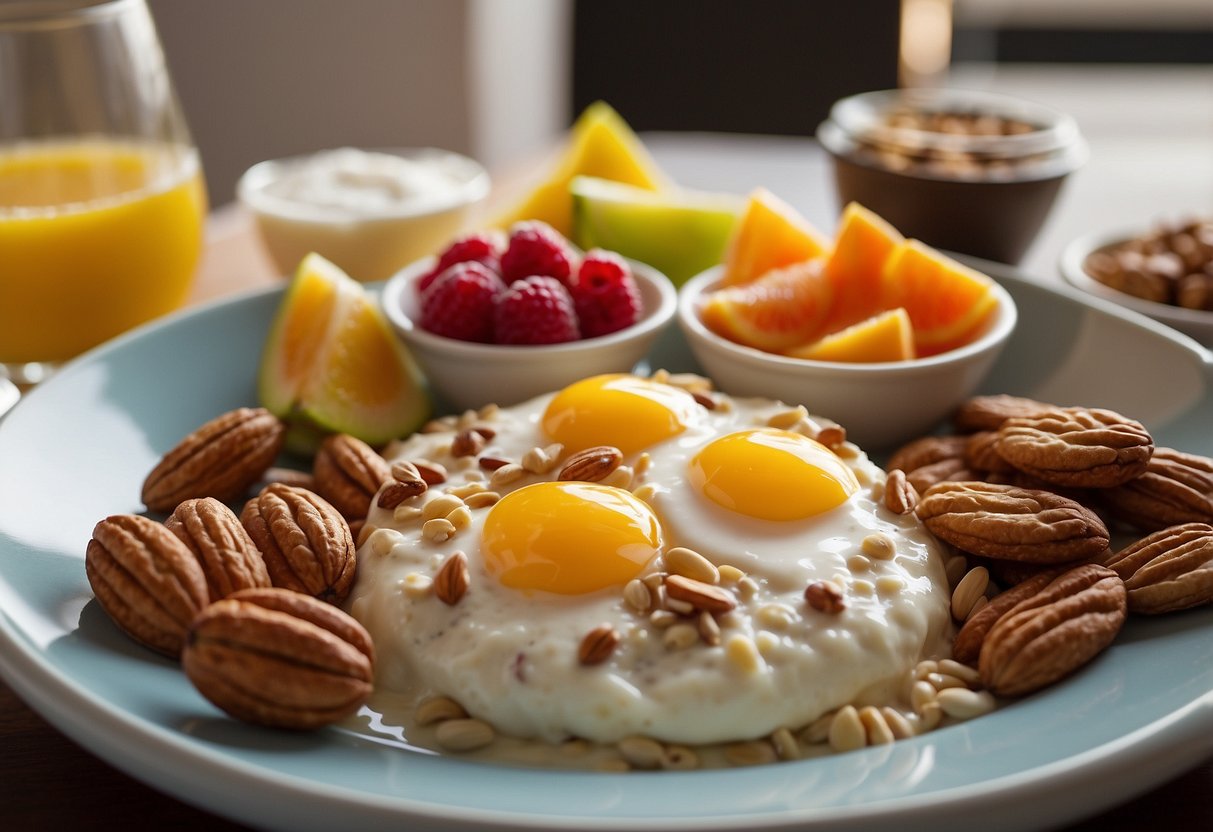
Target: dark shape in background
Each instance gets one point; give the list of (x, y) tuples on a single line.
[(739, 66)]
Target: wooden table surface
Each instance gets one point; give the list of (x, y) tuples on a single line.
[(47, 782)]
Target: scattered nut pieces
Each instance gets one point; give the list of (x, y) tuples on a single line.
[(453, 579), (700, 595), (598, 645), (468, 442), (825, 596), (591, 465)]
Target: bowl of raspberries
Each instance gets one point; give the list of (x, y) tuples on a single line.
[(504, 316)]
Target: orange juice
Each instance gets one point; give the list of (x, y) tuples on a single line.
[(96, 236)]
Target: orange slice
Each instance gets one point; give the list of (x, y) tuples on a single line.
[(331, 363), (949, 304), (861, 248), (770, 234), (884, 337), (782, 309)]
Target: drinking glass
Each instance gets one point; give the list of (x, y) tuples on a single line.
[(101, 196)]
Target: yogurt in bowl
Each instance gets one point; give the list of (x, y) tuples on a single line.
[(369, 211)]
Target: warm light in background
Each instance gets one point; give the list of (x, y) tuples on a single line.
[(926, 41)]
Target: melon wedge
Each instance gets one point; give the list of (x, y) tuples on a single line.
[(331, 363), (949, 304), (769, 235), (600, 144), (887, 336), (783, 309), (861, 247), (678, 232)]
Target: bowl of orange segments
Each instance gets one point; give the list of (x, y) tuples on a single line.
[(882, 334)]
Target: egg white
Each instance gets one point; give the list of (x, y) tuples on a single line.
[(510, 657)]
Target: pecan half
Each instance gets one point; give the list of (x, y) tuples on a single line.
[(229, 558), (348, 474), (925, 451), (899, 496), (989, 412), (591, 464), (1169, 570), (221, 459), (468, 442), (146, 580), (981, 453), (598, 645), (280, 658), (1002, 521), (945, 470), (967, 645), (1053, 632), (1175, 488), (306, 543), (825, 596), (1077, 446)]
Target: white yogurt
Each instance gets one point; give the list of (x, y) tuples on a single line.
[(370, 212)]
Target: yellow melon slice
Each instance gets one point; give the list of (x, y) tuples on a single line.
[(600, 144), (770, 234), (884, 337)]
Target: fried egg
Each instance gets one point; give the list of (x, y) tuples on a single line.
[(551, 559)]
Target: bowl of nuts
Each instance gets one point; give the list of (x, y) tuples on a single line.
[(1165, 273), (966, 171)]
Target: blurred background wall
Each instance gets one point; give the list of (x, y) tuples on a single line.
[(500, 78)]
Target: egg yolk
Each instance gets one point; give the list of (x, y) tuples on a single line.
[(771, 475), (569, 537), (625, 411)]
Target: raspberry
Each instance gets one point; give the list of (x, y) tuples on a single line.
[(535, 310), (536, 248), (459, 303), (484, 248), (605, 294)]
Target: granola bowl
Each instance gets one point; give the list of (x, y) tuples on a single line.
[(468, 375), (881, 405)]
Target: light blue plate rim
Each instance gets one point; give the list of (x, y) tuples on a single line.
[(77, 447)]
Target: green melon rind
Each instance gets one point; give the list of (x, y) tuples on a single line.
[(679, 233)]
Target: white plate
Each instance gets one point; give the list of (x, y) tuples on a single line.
[(79, 446)]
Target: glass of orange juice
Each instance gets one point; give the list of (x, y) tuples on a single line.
[(101, 196)]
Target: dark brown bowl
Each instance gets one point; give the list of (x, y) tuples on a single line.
[(995, 215), (987, 219)]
